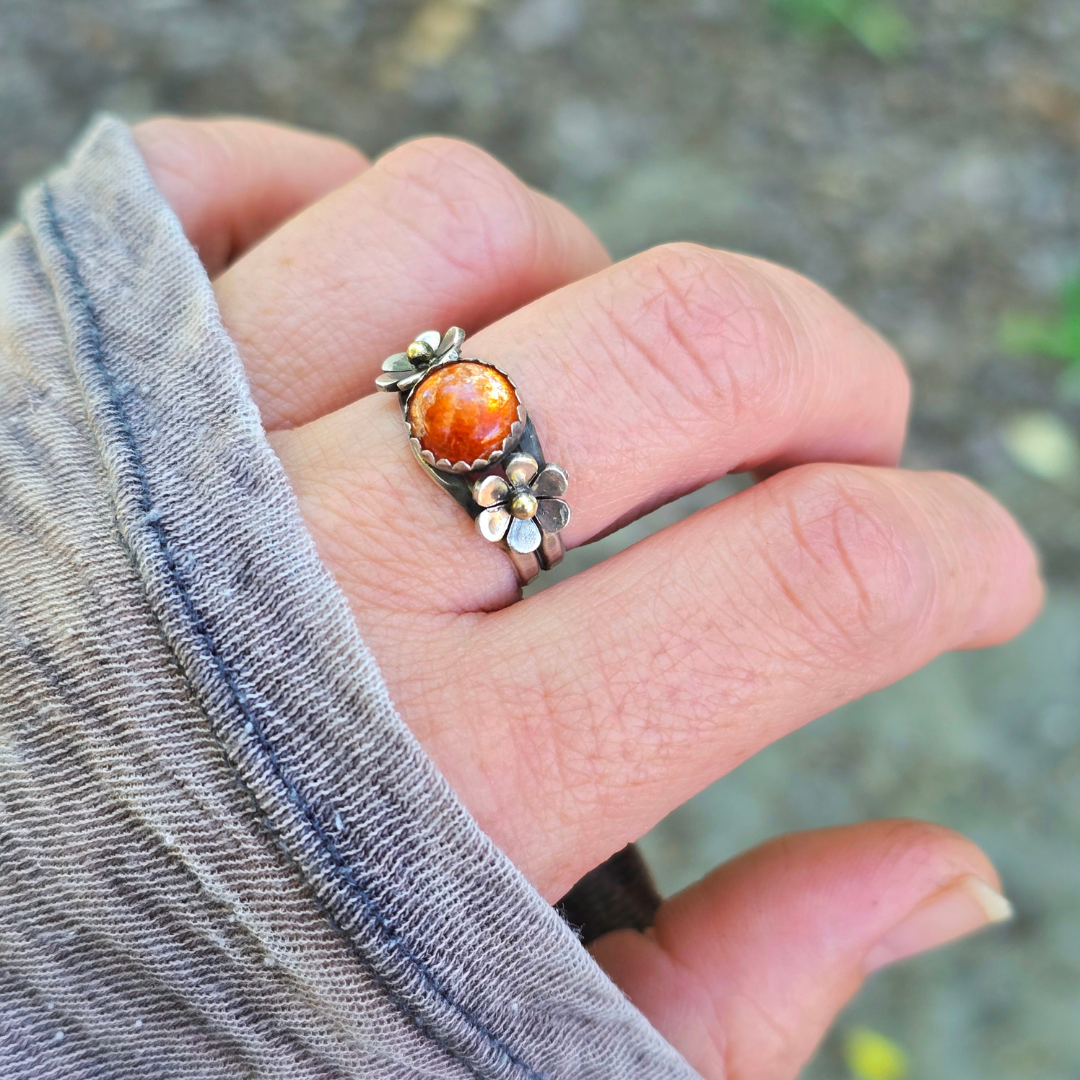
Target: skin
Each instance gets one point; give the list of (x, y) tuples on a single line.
[(667, 665)]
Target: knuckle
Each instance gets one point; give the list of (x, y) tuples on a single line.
[(736, 339), (910, 844), (462, 199), (914, 850), (163, 127), (712, 326), (437, 160), (178, 150), (854, 571), (203, 147)]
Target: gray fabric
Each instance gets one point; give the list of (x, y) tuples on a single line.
[(222, 854)]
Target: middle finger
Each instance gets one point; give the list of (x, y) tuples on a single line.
[(435, 231), (647, 380)]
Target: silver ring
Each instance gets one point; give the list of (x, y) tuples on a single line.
[(471, 433)]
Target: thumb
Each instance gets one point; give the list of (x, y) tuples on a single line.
[(745, 971)]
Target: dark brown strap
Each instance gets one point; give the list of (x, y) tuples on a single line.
[(619, 894)]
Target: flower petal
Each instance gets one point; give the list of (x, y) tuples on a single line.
[(430, 337), (410, 379), (493, 523), (452, 339), (552, 514), (520, 469), (550, 481), (523, 536), (398, 362), (490, 490), (388, 380)]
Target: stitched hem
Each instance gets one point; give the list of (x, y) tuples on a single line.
[(117, 393)]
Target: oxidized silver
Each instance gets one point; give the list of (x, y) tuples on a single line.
[(513, 494)]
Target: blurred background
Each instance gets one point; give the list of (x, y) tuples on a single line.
[(917, 157)]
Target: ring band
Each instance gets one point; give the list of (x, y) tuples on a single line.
[(471, 433)]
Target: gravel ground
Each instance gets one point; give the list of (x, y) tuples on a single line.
[(926, 174)]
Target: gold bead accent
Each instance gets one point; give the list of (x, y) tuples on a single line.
[(420, 350), (523, 505)]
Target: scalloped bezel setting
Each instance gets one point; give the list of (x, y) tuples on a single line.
[(514, 423)]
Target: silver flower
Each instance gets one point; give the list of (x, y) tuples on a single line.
[(517, 508), (404, 370)]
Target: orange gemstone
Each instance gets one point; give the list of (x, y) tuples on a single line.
[(462, 411)]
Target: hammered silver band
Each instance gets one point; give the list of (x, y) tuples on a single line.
[(506, 486)]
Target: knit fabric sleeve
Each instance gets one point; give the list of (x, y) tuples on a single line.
[(222, 853)]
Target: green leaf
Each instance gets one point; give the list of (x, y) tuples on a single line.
[(879, 26), (1057, 338), (814, 15), (882, 29), (1070, 295)]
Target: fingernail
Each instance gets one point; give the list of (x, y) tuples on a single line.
[(961, 908)]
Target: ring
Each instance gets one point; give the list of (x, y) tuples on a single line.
[(473, 436)]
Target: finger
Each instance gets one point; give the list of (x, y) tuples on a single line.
[(231, 181), (436, 232), (598, 706), (745, 971), (645, 381)]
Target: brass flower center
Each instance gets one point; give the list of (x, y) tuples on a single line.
[(523, 505)]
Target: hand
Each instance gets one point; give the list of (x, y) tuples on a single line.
[(572, 722)]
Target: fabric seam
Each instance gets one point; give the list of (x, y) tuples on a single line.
[(341, 869)]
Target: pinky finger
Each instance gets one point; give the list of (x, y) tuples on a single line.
[(232, 181), (744, 972)]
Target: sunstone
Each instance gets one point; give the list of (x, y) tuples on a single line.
[(462, 411)]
